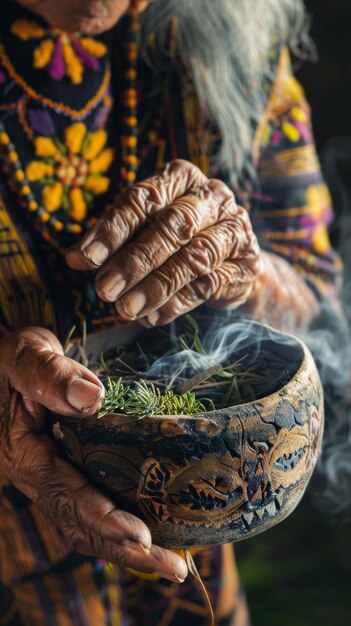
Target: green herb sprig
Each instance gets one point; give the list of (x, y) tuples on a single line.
[(145, 400)]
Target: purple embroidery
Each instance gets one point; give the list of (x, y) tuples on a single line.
[(2, 78), (304, 130), (100, 118), (85, 57), (42, 123), (276, 138), (56, 66)]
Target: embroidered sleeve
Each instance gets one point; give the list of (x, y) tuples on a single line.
[(24, 300), (292, 207)]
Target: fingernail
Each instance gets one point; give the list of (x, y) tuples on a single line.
[(174, 578), (111, 285), (96, 252), (179, 579), (144, 549), (83, 395), (133, 303), (153, 318), (144, 323)]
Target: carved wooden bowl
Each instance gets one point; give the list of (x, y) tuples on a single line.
[(217, 477)]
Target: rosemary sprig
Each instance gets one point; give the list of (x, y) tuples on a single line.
[(143, 399), (135, 388)]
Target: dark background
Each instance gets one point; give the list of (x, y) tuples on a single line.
[(299, 573), (328, 82), (328, 88)]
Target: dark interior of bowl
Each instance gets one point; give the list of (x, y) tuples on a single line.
[(256, 360)]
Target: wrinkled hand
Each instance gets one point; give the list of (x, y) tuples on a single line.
[(35, 374), (169, 244)]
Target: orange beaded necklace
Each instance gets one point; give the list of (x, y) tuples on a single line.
[(129, 139)]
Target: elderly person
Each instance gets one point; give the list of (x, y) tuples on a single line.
[(156, 156)]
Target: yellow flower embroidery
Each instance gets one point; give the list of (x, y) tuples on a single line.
[(71, 172), (25, 30), (319, 200), (60, 53), (320, 240), (297, 113), (291, 132)]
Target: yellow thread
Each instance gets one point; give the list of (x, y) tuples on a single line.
[(96, 48), (78, 206), (43, 53), (22, 118), (97, 184), (74, 67), (24, 29), (76, 114), (103, 162), (97, 143), (52, 196), (74, 136)]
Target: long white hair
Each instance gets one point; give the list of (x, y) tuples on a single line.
[(226, 44)]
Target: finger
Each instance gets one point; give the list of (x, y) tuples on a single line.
[(33, 363), (205, 253), (230, 282), (132, 211), (167, 564), (63, 494), (59, 489), (231, 240), (172, 229)]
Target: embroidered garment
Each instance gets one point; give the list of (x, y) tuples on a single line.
[(61, 147)]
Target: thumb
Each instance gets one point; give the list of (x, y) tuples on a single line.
[(33, 363)]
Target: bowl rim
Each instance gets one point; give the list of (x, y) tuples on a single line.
[(109, 419)]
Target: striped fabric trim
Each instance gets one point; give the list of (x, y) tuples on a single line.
[(293, 162), (287, 236), (283, 213), (24, 299)]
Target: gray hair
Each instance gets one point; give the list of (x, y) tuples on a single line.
[(225, 44)]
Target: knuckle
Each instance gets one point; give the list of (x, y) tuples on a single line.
[(204, 287), (168, 280), (180, 163), (76, 538), (84, 541), (58, 503), (176, 306), (98, 545), (114, 224), (184, 166), (222, 192), (218, 186), (137, 200), (235, 281), (185, 169), (21, 351), (138, 259), (199, 257), (129, 525), (111, 514), (42, 364), (179, 223)]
